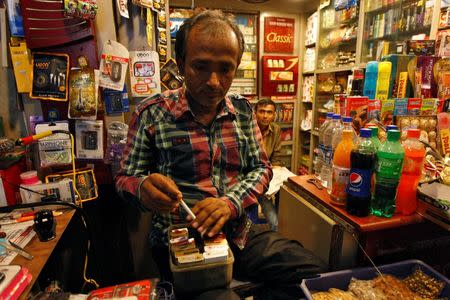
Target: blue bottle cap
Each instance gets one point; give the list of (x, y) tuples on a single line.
[(336, 117), (347, 119), (391, 127), (365, 133), (329, 115)]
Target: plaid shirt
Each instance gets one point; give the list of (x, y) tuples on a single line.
[(223, 160)]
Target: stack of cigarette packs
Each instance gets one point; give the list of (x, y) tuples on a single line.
[(185, 249)]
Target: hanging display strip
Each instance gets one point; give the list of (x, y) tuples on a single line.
[(45, 24)]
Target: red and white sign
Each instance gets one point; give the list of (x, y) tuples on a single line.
[(279, 35)]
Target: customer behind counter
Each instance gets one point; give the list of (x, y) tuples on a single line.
[(198, 144), (265, 111)]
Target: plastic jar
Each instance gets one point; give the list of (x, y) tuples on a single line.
[(28, 179)]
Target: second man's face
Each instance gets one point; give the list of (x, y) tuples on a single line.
[(265, 114), (210, 65)]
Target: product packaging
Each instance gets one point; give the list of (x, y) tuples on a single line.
[(85, 183), (356, 107), (401, 107), (116, 102), (61, 191), (50, 76), (21, 61), (113, 65), (82, 94), (55, 149), (144, 73), (89, 139), (387, 112)]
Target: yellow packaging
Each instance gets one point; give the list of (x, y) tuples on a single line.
[(21, 59), (384, 76), (402, 83)]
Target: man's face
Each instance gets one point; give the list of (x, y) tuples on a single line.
[(210, 65), (265, 114)]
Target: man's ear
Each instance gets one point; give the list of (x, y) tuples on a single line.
[(180, 65)]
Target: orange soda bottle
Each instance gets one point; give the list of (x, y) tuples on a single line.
[(341, 168), (411, 173)]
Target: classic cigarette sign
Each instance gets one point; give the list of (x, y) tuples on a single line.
[(279, 35)]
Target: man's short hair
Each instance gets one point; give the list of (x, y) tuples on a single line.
[(264, 102), (211, 18)]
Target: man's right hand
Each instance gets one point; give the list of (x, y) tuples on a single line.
[(160, 193)]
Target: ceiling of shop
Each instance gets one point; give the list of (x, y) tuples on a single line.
[(284, 6)]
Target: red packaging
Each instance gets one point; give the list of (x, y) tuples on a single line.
[(356, 107), (414, 105)]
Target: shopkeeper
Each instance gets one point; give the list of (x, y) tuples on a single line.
[(198, 144)]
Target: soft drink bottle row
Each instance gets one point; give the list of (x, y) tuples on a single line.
[(366, 176)]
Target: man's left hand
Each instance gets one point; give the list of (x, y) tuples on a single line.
[(211, 214)]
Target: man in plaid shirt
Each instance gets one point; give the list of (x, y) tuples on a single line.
[(202, 146)]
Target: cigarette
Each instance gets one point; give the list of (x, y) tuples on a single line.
[(187, 209)]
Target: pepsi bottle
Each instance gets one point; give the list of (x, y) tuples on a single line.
[(362, 161)]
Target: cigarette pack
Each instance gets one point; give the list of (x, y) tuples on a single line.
[(179, 232), (190, 258)]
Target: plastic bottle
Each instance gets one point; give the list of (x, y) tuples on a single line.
[(28, 179), (320, 154), (357, 82), (411, 173), (375, 140), (389, 167), (370, 84), (359, 189), (341, 169), (391, 127), (328, 151), (337, 133), (384, 76)]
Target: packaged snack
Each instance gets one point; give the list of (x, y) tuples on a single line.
[(428, 107), (414, 105), (387, 112), (401, 107), (356, 107), (374, 109)]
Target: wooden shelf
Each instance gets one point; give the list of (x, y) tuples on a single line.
[(287, 143), (337, 69), (310, 45), (315, 132), (308, 72)]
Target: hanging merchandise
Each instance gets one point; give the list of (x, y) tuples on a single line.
[(116, 102), (162, 36), (122, 5), (50, 76), (159, 4), (170, 78), (89, 137), (15, 18), (113, 66), (144, 3), (115, 144), (82, 92), (85, 182), (83, 9), (21, 60), (149, 27), (55, 149), (144, 73)]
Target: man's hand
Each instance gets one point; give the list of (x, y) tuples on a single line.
[(212, 214), (160, 193)]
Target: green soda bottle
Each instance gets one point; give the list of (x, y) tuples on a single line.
[(390, 157), (374, 138)]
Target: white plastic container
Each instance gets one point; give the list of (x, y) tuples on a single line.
[(28, 179)]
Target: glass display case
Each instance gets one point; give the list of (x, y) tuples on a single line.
[(388, 23), (246, 82), (338, 30)]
